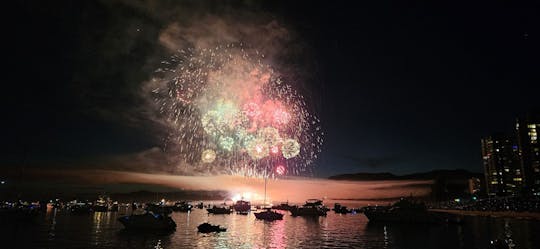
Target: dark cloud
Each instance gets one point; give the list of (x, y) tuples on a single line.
[(154, 160), (121, 44), (90, 97)]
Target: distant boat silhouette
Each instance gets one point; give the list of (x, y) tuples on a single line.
[(268, 214)]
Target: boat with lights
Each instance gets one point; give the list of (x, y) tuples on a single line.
[(182, 206)]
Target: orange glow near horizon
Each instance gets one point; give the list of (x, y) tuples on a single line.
[(295, 190)]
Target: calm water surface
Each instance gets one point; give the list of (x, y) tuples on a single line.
[(59, 229)]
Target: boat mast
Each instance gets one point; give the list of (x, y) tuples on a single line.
[(265, 179)]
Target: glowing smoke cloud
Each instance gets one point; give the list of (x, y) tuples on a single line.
[(293, 189), (229, 110)]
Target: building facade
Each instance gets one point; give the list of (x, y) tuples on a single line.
[(502, 167), (475, 186), (527, 129)]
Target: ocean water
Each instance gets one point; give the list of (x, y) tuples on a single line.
[(60, 229)]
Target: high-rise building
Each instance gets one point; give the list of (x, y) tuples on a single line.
[(474, 185), (527, 129), (502, 167)]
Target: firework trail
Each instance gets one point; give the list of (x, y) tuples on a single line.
[(229, 111)]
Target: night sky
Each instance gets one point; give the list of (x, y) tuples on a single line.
[(399, 87)]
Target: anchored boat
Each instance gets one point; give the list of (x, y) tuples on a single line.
[(242, 206), (209, 228), (148, 221), (268, 214), (407, 211), (312, 207), (219, 210)]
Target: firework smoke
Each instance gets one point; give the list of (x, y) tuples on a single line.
[(278, 190), (213, 88)]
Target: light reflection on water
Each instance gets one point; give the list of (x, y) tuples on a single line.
[(58, 229)]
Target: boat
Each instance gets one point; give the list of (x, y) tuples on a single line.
[(407, 211), (242, 206), (209, 228), (219, 210), (499, 244), (182, 206), (148, 222), (158, 208), (339, 209), (80, 208), (312, 207), (104, 204), (19, 211), (283, 206), (200, 205), (114, 207), (100, 205), (268, 214)]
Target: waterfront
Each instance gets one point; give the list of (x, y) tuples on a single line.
[(59, 229)]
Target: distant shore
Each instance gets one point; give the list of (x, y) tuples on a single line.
[(494, 214)]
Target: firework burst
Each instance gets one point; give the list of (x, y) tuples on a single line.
[(229, 110)]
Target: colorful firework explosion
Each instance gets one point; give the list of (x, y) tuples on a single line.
[(228, 109)]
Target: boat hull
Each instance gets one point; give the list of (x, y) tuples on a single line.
[(208, 228), (219, 211), (148, 222), (269, 216), (307, 212), (242, 206)]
